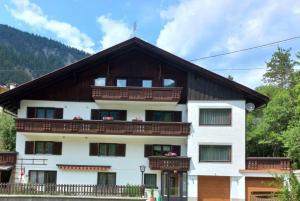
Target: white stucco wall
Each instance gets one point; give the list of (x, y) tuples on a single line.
[(233, 135)]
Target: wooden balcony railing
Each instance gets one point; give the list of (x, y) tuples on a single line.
[(268, 163), (103, 127), (77, 190), (161, 94), (169, 163), (8, 158)]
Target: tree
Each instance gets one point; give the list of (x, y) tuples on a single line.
[(291, 190), (280, 68), (7, 132)]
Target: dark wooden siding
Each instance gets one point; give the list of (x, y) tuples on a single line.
[(201, 88)]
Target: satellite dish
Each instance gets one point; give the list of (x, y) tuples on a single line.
[(250, 107)]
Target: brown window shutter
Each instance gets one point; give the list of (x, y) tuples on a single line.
[(121, 150), (148, 150), (29, 147), (57, 148), (59, 113), (94, 149), (31, 112), (95, 114), (176, 149)]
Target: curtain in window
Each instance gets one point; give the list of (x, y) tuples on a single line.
[(150, 180), (215, 153), (215, 116)]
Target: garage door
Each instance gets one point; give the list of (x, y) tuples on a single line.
[(212, 188), (256, 184)]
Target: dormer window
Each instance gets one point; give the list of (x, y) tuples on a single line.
[(100, 81), (169, 83)]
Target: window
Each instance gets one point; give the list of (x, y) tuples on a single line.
[(166, 116), (147, 83), (169, 83), (43, 147), (106, 178), (42, 177), (215, 116), (107, 149), (150, 180), (161, 150), (215, 153), (100, 81), (44, 113), (115, 114), (121, 82)]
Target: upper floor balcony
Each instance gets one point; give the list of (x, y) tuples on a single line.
[(105, 127), (104, 94), (169, 163), (268, 164), (8, 158)]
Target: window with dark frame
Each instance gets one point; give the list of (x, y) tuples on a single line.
[(107, 149), (100, 81), (150, 180), (161, 150), (97, 114), (163, 116), (43, 147), (169, 83), (44, 112), (42, 177), (147, 83), (106, 178), (215, 116), (121, 82), (214, 153)]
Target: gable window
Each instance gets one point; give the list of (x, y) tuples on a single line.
[(107, 149), (169, 83), (150, 180), (121, 82), (215, 153), (106, 178), (115, 114), (147, 83), (43, 147), (42, 177), (44, 112), (160, 150), (215, 116), (100, 81), (165, 116)]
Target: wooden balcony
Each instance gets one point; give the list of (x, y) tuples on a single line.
[(268, 163), (169, 163), (157, 94), (103, 127), (8, 158)]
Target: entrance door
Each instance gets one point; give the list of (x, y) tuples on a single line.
[(174, 186)]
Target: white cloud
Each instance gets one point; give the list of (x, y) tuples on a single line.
[(114, 31), (33, 15)]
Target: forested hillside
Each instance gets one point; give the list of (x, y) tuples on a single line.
[(24, 56)]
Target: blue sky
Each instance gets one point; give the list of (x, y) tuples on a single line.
[(187, 28)]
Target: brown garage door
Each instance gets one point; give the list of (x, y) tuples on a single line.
[(212, 188), (256, 184)]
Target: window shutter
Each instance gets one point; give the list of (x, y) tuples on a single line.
[(94, 149), (148, 150), (176, 149), (29, 147), (57, 148), (59, 112), (31, 112), (95, 114), (121, 150)]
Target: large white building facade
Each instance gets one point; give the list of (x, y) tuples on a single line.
[(98, 121)]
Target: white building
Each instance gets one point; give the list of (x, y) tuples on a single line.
[(98, 120)]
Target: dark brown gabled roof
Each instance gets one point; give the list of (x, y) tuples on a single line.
[(10, 99)]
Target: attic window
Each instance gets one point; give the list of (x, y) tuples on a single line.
[(169, 83), (100, 81)]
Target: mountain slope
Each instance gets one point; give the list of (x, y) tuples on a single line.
[(24, 56)]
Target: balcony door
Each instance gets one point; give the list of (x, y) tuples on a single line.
[(174, 186)]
